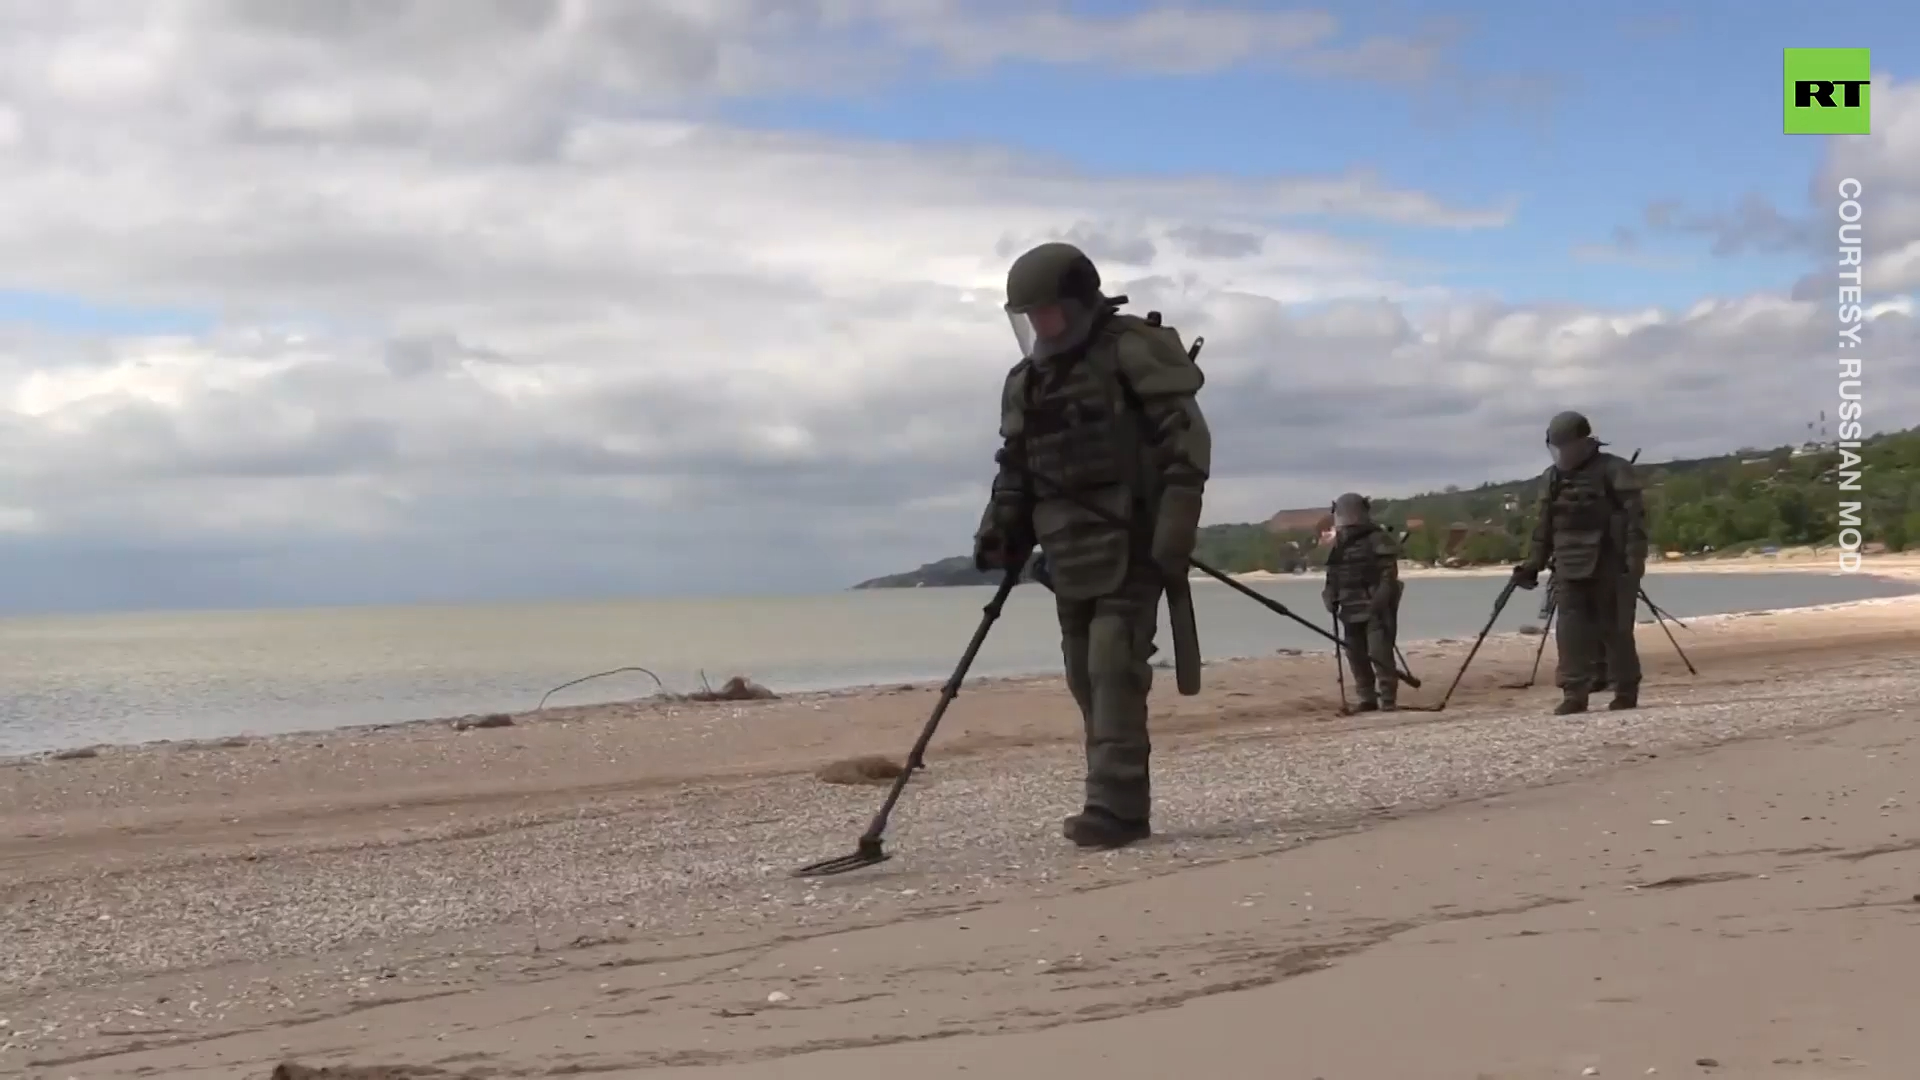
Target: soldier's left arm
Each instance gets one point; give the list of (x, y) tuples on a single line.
[(1633, 509), (1166, 383), (1386, 553)]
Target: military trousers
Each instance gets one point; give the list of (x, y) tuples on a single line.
[(1594, 635), (1107, 643), (1549, 612), (1367, 643)]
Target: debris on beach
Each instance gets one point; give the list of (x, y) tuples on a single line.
[(867, 769), (738, 688), (78, 753), (288, 1070), (491, 720), (1530, 630)]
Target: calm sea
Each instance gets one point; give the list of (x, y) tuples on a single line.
[(76, 680)]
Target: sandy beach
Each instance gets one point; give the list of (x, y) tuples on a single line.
[(1484, 892)]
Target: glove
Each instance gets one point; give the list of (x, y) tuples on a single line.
[(1332, 602), (1526, 577), (1176, 529), (994, 550)]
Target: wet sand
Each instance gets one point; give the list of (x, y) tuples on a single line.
[(604, 889)]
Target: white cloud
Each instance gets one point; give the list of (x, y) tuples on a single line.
[(1887, 165), (489, 317)]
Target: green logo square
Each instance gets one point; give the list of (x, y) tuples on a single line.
[(1828, 91)]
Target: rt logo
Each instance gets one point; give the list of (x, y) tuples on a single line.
[(1828, 91)]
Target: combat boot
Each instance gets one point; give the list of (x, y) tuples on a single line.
[(1095, 827), (1570, 703), (1367, 706), (1625, 697)]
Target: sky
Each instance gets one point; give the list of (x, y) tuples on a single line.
[(472, 300)]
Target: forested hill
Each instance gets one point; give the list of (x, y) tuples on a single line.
[(1718, 505)]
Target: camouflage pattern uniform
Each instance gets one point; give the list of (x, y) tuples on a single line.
[(1102, 406), (1592, 526), (1363, 592), (1547, 607)]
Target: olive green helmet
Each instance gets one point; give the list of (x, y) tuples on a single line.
[(1567, 427), (1570, 440), (1352, 508), (1053, 299)]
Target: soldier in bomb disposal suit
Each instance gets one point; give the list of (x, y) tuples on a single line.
[(1363, 592), (1592, 527), (1100, 414)]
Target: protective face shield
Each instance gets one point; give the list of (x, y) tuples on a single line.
[(1572, 455), (1050, 329), (1351, 509)]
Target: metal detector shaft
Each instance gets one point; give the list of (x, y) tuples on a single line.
[(869, 852), (1662, 613), (1540, 650), (1499, 605), (1671, 640), (1111, 518)]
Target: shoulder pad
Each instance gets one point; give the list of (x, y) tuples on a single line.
[(1014, 388), (1152, 358)]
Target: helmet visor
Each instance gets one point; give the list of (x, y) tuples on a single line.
[(1573, 454), (1042, 330)]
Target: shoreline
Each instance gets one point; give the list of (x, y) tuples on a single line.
[(212, 912), (1904, 571)]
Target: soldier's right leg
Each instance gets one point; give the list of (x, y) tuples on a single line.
[(1353, 645), (1076, 624), (1380, 645), (1576, 639), (1119, 797)]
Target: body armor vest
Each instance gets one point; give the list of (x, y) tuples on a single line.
[(1583, 512), (1080, 431), (1353, 565)]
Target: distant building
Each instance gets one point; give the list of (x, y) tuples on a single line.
[(1459, 531), (1316, 521)]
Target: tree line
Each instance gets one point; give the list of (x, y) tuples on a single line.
[(1744, 501)]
